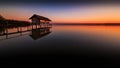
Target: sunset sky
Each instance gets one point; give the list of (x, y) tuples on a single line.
[(63, 12)]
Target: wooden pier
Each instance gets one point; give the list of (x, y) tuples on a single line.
[(37, 23)]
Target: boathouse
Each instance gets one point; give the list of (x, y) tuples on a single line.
[(40, 20)]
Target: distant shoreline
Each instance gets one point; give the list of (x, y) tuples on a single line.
[(109, 24)]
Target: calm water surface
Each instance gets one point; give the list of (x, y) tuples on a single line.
[(65, 43)]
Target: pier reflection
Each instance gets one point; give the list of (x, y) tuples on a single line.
[(36, 33)]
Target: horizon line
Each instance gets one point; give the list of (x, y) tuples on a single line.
[(86, 23)]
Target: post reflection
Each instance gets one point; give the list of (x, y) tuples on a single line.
[(35, 34)]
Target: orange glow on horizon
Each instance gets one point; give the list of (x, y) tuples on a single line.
[(76, 20), (105, 31)]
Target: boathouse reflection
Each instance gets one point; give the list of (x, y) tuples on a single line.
[(34, 33), (38, 33)]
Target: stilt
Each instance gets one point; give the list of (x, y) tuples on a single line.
[(6, 33), (17, 29), (36, 26), (4, 29), (27, 28), (32, 26), (40, 25), (21, 31)]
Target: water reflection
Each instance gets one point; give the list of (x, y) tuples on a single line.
[(2, 31), (65, 43), (36, 33)]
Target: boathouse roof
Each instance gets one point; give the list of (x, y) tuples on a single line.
[(40, 17)]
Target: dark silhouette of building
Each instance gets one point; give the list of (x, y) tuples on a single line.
[(38, 32), (40, 20)]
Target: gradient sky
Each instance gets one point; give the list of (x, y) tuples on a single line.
[(62, 12)]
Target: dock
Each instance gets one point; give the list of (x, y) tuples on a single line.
[(38, 24)]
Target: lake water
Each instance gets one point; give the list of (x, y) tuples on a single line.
[(85, 44)]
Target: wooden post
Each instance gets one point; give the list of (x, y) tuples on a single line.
[(6, 30), (32, 26), (40, 25), (18, 29), (27, 28), (36, 25), (47, 25)]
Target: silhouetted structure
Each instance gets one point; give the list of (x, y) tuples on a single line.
[(38, 33), (41, 21), (42, 30), (2, 18)]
